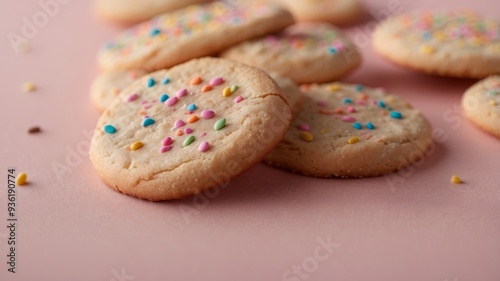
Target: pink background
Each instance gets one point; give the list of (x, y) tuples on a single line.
[(267, 220)]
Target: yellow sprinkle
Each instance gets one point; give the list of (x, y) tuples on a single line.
[(305, 136), (136, 145), (323, 131), (28, 87), (21, 179), (353, 140), (493, 103), (456, 180), (426, 49), (333, 87), (227, 92)]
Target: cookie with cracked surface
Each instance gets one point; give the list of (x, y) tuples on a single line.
[(481, 105), (456, 44), (191, 32), (338, 12), (133, 11), (107, 86), (348, 131), (178, 132), (305, 52)]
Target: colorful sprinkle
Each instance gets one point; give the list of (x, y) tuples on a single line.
[(191, 107), (109, 129), (29, 87), (164, 98), (220, 124), (353, 140), (165, 81), (207, 114), (304, 127), (234, 88), (357, 126), (346, 100), (34, 130), (238, 99), (396, 115), (189, 140), (426, 49), (333, 87), (369, 126), (181, 93), (136, 145), (206, 88), (359, 88), (493, 102), (196, 81), (204, 147), (154, 32), (147, 122), (348, 119), (21, 179), (150, 83), (381, 104), (165, 149), (456, 180), (350, 109), (167, 141), (188, 131), (179, 133), (306, 136), (226, 92), (171, 101), (132, 97), (216, 81), (192, 119), (179, 123)]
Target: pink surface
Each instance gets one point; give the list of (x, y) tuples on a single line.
[(266, 221)]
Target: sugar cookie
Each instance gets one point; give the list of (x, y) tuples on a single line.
[(352, 131), (457, 44), (481, 104), (178, 132)]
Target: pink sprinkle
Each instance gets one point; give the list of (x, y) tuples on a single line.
[(179, 123), (348, 119), (216, 81), (188, 131), (181, 93), (166, 141), (204, 146), (203, 135), (171, 101), (322, 103), (147, 107), (350, 109), (207, 114), (303, 127), (144, 102), (238, 99), (145, 116), (360, 102), (165, 149), (132, 97)]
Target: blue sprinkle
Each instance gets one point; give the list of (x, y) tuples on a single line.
[(396, 115), (493, 93), (381, 104), (332, 50), (346, 100), (109, 129), (164, 97), (426, 35), (359, 88), (357, 126), (191, 107), (150, 83), (147, 122), (154, 32), (165, 81), (369, 126)]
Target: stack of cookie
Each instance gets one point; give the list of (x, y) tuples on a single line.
[(176, 123)]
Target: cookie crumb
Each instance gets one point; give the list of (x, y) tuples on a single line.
[(456, 180), (21, 179), (29, 87), (34, 130)]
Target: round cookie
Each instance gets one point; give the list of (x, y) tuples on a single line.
[(133, 11), (305, 52), (191, 32), (481, 105), (457, 44), (352, 131), (338, 12), (178, 132), (108, 85)]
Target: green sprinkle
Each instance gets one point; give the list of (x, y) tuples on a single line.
[(220, 124), (234, 88), (188, 141)]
